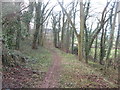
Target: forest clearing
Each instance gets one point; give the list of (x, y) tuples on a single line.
[(60, 44)]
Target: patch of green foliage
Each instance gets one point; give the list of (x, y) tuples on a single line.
[(112, 54), (40, 58)]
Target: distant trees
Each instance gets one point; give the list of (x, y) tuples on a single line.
[(55, 29), (27, 16), (41, 16), (80, 35)]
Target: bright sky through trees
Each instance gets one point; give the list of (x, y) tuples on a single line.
[(97, 7)]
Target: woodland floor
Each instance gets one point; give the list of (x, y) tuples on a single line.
[(54, 68)]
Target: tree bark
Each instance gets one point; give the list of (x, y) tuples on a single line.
[(111, 37), (62, 33), (117, 41), (102, 51), (95, 55), (81, 36), (18, 38), (35, 37), (74, 15), (68, 38)]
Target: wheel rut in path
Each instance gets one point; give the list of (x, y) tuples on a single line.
[(52, 76)]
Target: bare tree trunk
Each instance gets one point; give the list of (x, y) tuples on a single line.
[(73, 41), (68, 38), (80, 55), (62, 33), (100, 25), (118, 33), (58, 39), (41, 35), (28, 29), (59, 29), (95, 55), (55, 39), (35, 38), (102, 51), (74, 15), (119, 44), (55, 31), (111, 37), (81, 36), (116, 44), (86, 30), (18, 38)]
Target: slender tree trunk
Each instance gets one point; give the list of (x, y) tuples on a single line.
[(86, 31), (18, 38), (117, 41), (62, 33), (118, 62), (95, 55), (80, 36), (86, 43), (55, 31), (58, 39), (102, 51), (59, 27), (41, 36), (34, 46), (118, 33), (35, 37), (80, 55), (55, 40), (28, 29), (73, 41), (30, 11), (73, 33), (111, 37), (68, 39), (116, 47)]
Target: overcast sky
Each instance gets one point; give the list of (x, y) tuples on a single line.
[(96, 5)]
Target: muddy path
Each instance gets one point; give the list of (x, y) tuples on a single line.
[(52, 76)]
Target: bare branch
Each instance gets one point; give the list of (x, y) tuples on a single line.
[(68, 18)]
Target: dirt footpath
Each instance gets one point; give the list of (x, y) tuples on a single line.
[(52, 76)]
